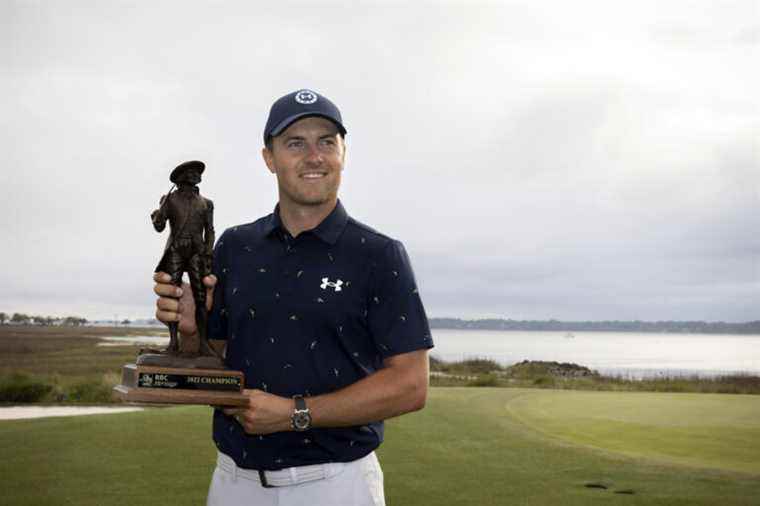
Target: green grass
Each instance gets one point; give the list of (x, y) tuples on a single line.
[(479, 446), (163, 456), (703, 430)]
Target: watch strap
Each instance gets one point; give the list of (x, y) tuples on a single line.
[(300, 420)]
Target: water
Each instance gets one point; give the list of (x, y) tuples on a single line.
[(625, 354)]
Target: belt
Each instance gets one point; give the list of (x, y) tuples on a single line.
[(281, 477)]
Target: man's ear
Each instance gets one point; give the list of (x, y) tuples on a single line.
[(266, 154)]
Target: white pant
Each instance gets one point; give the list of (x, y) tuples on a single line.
[(357, 483)]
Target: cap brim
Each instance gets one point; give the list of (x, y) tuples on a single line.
[(284, 124)]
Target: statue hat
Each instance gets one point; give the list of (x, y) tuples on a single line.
[(177, 172)]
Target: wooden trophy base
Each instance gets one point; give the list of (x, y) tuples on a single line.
[(150, 384)]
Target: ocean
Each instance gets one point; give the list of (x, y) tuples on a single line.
[(627, 354)]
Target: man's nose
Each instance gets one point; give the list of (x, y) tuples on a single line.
[(313, 155)]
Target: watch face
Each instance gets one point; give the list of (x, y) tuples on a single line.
[(301, 421)]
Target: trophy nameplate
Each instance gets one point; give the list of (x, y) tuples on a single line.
[(144, 384)]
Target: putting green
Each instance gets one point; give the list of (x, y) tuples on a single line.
[(704, 430)]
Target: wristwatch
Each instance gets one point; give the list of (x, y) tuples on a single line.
[(300, 420)]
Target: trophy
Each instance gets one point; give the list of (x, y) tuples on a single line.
[(188, 371)]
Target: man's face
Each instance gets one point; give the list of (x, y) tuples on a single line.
[(307, 159), (191, 176)]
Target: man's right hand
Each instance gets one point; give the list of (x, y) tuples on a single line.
[(176, 304)]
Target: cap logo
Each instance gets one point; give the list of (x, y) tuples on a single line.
[(306, 97)]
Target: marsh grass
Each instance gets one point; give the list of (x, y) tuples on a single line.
[(20, 388), (65, 364)]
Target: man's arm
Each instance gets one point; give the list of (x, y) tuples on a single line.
[(158, 217), (399, 387)]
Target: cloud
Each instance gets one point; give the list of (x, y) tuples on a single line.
[(583, 160)]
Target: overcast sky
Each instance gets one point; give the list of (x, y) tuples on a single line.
[(539, 159)]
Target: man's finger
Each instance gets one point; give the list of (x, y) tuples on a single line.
[(210, 281), (168, 304), (162, 277), (165, 290), (167, 316)]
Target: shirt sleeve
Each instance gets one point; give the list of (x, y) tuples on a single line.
[(217, 318), (396, 317)]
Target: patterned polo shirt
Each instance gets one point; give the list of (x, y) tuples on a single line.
[(307, 316)]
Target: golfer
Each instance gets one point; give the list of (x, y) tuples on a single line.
[(323, 316)]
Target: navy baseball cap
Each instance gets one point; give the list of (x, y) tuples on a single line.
[(297, 105)]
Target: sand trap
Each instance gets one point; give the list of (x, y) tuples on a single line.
[(20, 412), (135, 341)]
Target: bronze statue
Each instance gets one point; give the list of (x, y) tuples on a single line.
[(190, 245)]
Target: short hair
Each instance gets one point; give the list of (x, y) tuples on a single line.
[(269, 142)]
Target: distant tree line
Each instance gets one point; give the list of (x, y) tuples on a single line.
[(684, 327), (25, 319)]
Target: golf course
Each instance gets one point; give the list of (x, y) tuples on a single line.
[(478, 446)]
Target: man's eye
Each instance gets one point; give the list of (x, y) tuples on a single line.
[(295, 144)]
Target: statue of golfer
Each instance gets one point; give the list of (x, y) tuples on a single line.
[(190, 244)]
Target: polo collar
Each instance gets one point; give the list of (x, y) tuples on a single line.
[(328, 230)]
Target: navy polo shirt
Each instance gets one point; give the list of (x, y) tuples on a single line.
[(307, 316)]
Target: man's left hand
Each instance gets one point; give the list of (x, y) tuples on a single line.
[(265, 414)]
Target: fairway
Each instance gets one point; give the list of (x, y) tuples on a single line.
[(478, 446), (703, 430)]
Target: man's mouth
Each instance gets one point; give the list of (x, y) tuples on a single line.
[(313, 175)]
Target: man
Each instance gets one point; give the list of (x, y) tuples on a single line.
[(190, 244), (323, 316)]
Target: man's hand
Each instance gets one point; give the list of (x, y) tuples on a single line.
[(265, 414), (176, 304)]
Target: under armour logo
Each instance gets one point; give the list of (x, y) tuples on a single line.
[(306, 97), (336, 284)]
